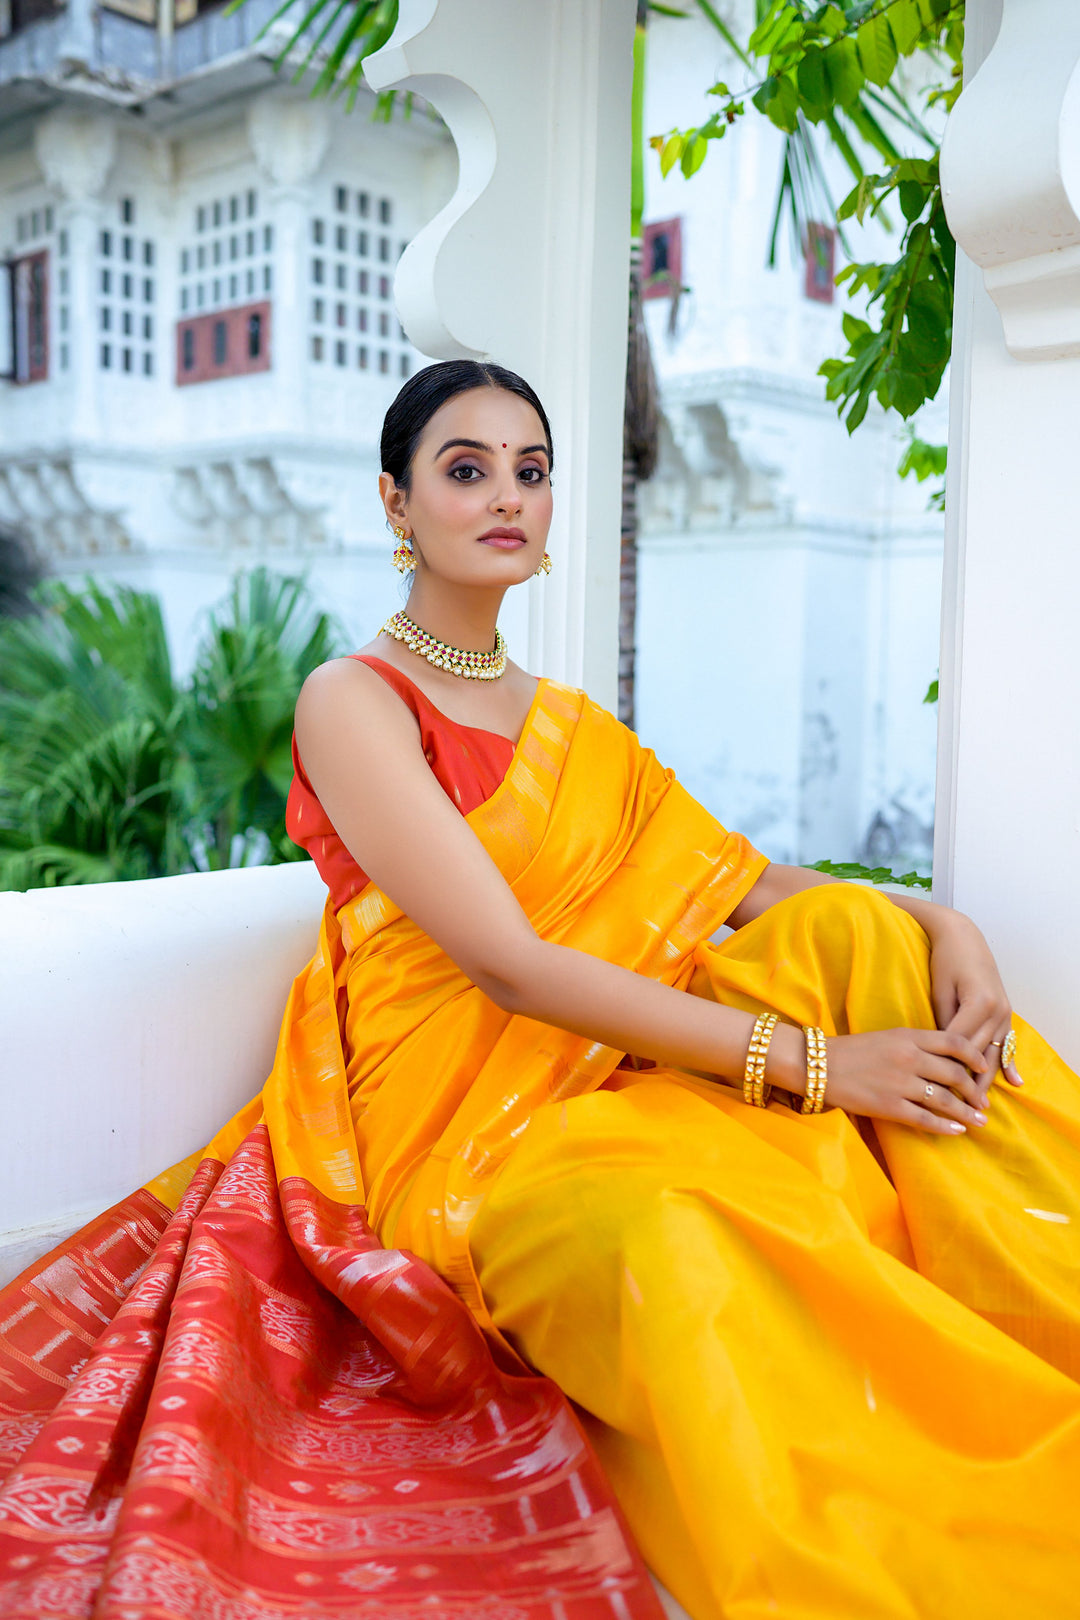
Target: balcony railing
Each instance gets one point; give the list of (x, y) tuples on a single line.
[(123, 52)]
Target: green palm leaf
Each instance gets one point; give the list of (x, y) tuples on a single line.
[(258, 651), (108, 771)]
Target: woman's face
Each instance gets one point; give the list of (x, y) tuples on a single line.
[(479, 508)]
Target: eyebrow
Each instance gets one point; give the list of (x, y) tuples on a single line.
[(478, 444)]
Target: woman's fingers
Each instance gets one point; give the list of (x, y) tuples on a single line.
[(979, 1016), (937, 1124), (994, 1050), (942, 1100), (947, 1075), (1009, 1071), (950, 1043)]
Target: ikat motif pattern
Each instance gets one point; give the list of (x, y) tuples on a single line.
[(251, 1411)]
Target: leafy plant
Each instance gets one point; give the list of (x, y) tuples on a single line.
[(854, 871), (236, 728), (835, 71), (110, 770), (901, 358), (922, 461)]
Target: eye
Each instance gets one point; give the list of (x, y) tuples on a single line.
[(459, 474), (533, 475)]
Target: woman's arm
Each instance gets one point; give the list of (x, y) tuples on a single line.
[(361, 750), (776, 883)]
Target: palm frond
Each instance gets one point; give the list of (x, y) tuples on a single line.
[(107, 771), (259, 648), (336, 35)]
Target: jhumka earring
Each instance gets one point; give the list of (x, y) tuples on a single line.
[(545, 564), (404, 561)]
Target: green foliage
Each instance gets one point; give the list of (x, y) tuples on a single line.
[(835, 71), (109, 769), (900, 354), (922, 461), (852, 871), (931, 692)]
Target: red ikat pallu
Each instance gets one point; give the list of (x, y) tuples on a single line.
[(251, 1411)]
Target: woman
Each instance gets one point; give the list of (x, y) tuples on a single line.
[(825, 1338)]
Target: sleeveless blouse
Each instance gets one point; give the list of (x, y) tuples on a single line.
[(467, 762)]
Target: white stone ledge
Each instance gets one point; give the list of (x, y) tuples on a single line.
[(135, 1018)]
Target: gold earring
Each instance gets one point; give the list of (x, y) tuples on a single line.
[(404, 561), (545, 564)]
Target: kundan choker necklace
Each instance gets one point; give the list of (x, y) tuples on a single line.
[(474, 666)]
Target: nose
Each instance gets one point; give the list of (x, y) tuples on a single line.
[(506, 499)]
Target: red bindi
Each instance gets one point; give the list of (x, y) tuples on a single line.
[(504, 447)]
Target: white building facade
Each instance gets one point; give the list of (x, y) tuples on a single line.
[(206, 342), (205, 339), (789, 581)]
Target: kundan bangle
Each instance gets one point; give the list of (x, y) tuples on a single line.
[(816, 1070), (755, 1091)]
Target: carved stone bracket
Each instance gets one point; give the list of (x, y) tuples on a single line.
[(250, 502), (705, 478), (76, 151), (289, 137), (1010, 174), (46, 501)]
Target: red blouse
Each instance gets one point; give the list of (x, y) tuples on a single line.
[(467, 763)]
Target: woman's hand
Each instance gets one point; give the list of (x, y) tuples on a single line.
[(968, 996), (917, 1076)]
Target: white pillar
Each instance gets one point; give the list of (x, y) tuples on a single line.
[(1008, 827), (528, 263), (289, 134), (76, 151), (78, 47)]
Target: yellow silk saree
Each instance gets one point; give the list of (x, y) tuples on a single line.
[(829, 1369)]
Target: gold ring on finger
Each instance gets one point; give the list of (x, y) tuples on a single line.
[(1008, 1050), (928, 1092), (997, 1043)]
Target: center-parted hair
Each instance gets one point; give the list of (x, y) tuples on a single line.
[(429, 389)]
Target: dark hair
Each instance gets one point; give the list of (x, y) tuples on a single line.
[(429, 389)]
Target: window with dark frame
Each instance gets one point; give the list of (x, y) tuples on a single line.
[(226, 343), (661, 258), (29, 317), (820, 263)]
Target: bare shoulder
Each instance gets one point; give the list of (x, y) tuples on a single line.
[(345, 694)]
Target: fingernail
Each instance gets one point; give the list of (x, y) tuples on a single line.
[(955, 1125), (980, 1119), (1017, 1081)]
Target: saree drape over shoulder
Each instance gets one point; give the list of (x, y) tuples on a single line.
[(326, 1367)]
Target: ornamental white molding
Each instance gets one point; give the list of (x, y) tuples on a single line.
[(76, 151), (706, 478), (49, 501), (256, 503), (289, 136), (1010, 174), (528, 262)]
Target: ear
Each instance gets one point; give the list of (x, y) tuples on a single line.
[(395, 501)]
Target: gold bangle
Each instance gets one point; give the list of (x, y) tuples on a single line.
[(816, 1070), (755, 1092)]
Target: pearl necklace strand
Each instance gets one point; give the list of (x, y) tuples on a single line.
[(473, 666)]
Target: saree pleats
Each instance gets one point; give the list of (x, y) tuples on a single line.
[(284, 1418), (800, 1412), (325, 1368)]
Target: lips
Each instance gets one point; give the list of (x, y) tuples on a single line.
[(504, 539)]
